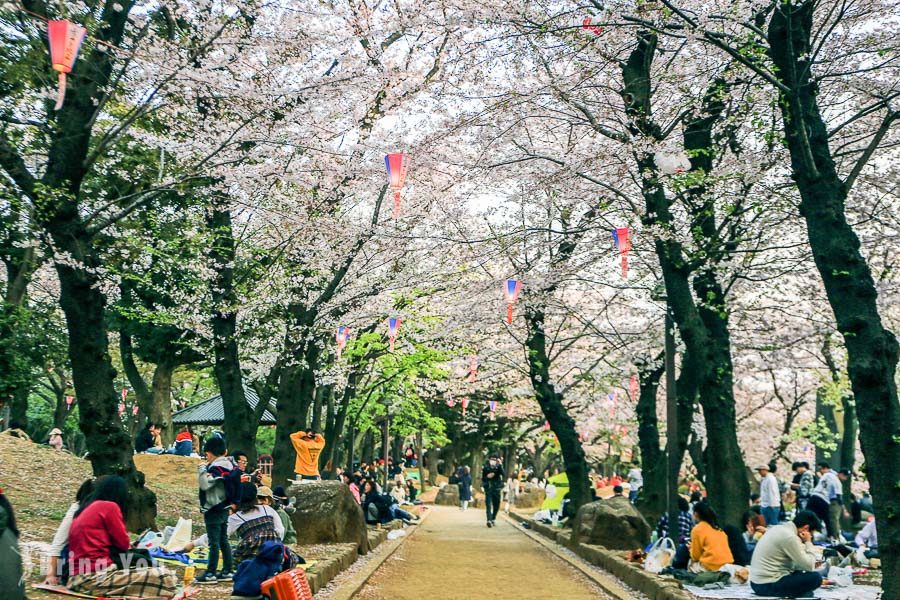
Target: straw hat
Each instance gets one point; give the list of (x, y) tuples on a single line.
[(264, 492), (55, 431)]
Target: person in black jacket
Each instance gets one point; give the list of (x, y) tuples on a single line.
[(492, 478)]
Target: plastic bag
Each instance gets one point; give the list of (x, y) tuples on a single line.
[(860, 557), (181, 535), (840, 576), (660, 555), (151, 539)]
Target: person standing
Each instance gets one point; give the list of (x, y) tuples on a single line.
[(308, 445), (492, 479), (825, 495), (219, 491), (464, 479), (635, 483), (803, 483), (769, 496), (512, 490)]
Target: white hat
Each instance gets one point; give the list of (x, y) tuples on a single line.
[(55, 431)]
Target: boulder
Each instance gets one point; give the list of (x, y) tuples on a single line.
[(531, 496), (327, 513), (448, 495), (615, 524)]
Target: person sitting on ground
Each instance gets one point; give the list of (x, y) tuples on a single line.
[(398, 492), (253, 523), (867, 539), (12, 579), (754, 528), (96, 535), (412, 491), (55, 440), (709, 544), (696, 497), (618, 492), (351, 483), (184, 442), (739, 550), (754, 504), (266, 497), (685, 523), (61, 539), (380, 508), (784, 559), (149, 440)]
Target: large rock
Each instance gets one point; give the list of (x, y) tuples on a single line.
[(448, 495), (327, 513), (531, 496), (615, 524)]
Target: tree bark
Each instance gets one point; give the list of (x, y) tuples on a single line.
[(872, 350), (554, 410), (240, 427), (161, 404), (652, 499)]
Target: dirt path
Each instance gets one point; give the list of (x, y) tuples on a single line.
[(454, 556)]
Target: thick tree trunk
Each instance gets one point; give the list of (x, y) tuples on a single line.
[(653, 460), (555, 412), (240, 427), (296, 392), (138, 385), (872, 350), (18, 409), (109, 447), (161, 405)]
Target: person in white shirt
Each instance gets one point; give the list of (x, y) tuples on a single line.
[(769, 496), (635, 483), (867, 538), (62, 533), (826, 500), (784, 559)]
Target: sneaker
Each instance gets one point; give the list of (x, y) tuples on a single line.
[(490, 524), (206, 577), (225, 576)]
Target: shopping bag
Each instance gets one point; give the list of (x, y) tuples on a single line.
[(660, 555), (181, 536)]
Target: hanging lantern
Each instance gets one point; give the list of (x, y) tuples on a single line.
[(465, 404), (492, 406), (393, 329), (634, 388), (586, 25), (341, 335), (121, 408), (451, 402), (397, 165), (546, 425), (69, 401), (134, 410), (473, 369), (622, 238), (671, 163), (512, 290), (65, 42)]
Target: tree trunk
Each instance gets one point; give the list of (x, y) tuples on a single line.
[(109, 447), (848, 443), (18, 409), (142, 392), (554, 410), (161, 405), (872, 350), (653, 459), (296, 392), (240, 428)]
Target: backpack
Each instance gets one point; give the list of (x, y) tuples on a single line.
[(231, 480), (266, 564)]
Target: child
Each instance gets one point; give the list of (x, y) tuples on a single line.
[(215, 482)]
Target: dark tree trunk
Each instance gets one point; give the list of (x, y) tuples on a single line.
[(18, 409), (240, 428), (653, 460), (334, 434), (848, 441), (161, 404), (554, 410), (872, 350), (704, 329), (296, 392)]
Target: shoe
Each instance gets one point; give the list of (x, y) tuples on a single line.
[(225, 576), (206, 577)]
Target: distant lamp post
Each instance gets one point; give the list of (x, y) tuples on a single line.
[(674, 464)]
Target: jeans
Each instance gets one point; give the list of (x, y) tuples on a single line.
[(633, 495), (399, 513), (819, 506), (771, 514), (799, 584), (216, 522), (492, 502)]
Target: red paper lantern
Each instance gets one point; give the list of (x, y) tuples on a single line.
[(473, 369), (633, 385), (121, 408), (511, 290), (65, 42), (341, 336), (622, 238), (465, 404), (397, 165), (393, 330), (69, 401)]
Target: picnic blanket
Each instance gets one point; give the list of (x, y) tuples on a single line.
[(188, 592), (198, 556), (740, 592)]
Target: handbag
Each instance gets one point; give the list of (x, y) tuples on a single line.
[(660, 555)]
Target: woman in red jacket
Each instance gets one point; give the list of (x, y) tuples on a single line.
[(97, 534)]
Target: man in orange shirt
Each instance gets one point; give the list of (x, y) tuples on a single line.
[(308, 446)]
